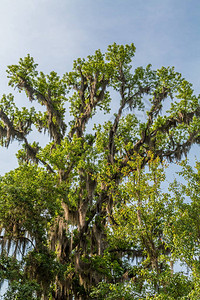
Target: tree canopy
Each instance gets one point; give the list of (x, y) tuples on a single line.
[(86, 216)]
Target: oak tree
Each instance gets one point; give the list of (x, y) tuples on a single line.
[(73, 210)]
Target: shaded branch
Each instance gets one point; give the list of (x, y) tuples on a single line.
[(87, 109), (56, 130), (10, 132)]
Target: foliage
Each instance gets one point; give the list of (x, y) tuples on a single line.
[(85, 216)]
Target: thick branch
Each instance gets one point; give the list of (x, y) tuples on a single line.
[(114, 128)]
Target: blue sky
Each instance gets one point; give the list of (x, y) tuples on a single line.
[(54, 32)]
